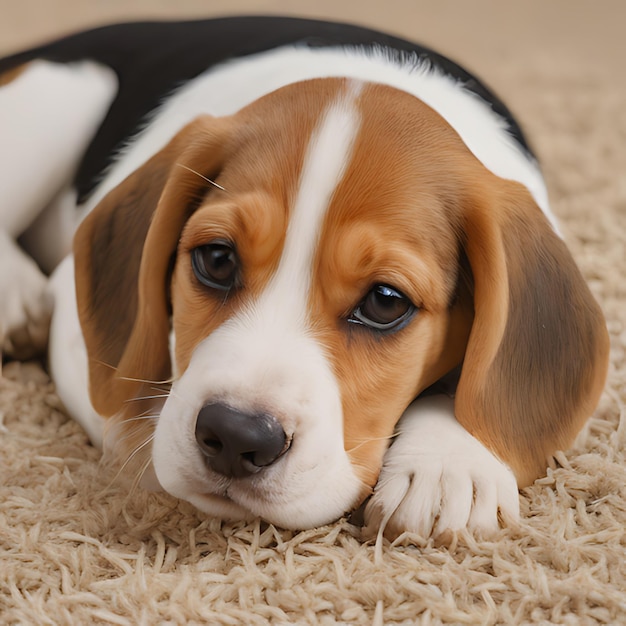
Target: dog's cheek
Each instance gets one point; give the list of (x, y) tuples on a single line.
[(375, 390), (379, 378)]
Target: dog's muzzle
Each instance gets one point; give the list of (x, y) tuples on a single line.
[(239, 444)]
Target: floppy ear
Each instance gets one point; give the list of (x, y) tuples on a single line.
[(123, 254), (537, 354)]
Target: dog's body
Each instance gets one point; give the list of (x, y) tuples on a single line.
[(316, 225)]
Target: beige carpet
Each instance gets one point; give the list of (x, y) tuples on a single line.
[(75, 549)]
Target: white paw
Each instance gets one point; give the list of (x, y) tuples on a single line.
[(25, 305), (436, 478)]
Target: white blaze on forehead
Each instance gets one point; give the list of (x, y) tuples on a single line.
[(328, 155)]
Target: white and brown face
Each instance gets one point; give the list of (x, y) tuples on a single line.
[(312, 295), (310, 306)]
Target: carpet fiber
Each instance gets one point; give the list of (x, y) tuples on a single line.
[(79, 546)]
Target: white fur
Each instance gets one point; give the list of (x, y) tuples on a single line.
[(265, 359), (61, 218), (24, 308), (437, 477), (67, 353), (48, 115)]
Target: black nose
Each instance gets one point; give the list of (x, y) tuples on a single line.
[(238, 444)]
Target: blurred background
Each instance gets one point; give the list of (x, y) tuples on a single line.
[(482, 34)]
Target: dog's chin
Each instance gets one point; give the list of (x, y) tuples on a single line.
[(220, 506), (226, 508), (213, 504)]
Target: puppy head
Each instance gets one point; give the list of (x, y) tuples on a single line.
[(352, 253)]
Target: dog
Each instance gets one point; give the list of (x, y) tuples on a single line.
[(295, 266)]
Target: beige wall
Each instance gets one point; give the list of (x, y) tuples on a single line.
[(480, 33)]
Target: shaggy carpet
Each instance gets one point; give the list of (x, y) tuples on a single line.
[(78, 546)]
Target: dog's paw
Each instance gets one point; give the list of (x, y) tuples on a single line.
[(25, 305), (438, 478)]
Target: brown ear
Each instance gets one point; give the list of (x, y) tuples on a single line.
[(537, 355), (123, 253)]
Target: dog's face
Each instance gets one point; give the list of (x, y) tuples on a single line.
[(308, 292), (312, 292)]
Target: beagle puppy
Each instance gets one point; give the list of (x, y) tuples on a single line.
[(296, 265)]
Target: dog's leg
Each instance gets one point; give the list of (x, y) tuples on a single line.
[(436, 477), (48, 114), (24, 307)]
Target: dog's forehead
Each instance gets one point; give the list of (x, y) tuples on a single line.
[(377, 197), (390, 120), (402, 149), (405, 173), (284, 120)]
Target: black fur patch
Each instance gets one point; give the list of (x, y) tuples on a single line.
[(153, 58)]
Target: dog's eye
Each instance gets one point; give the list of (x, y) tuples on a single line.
[(216, 265), (383, 308)]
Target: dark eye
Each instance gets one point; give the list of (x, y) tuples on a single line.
[(216, 265), (383, 308)]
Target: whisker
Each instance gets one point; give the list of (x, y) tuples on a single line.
[(167, 381), (136, 451), (148, 411), (144, 468), (365, 441), (170, 392), (138, 418), (154, 397), (208, 180), (137, 479), (365, 468), (105, 364)]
